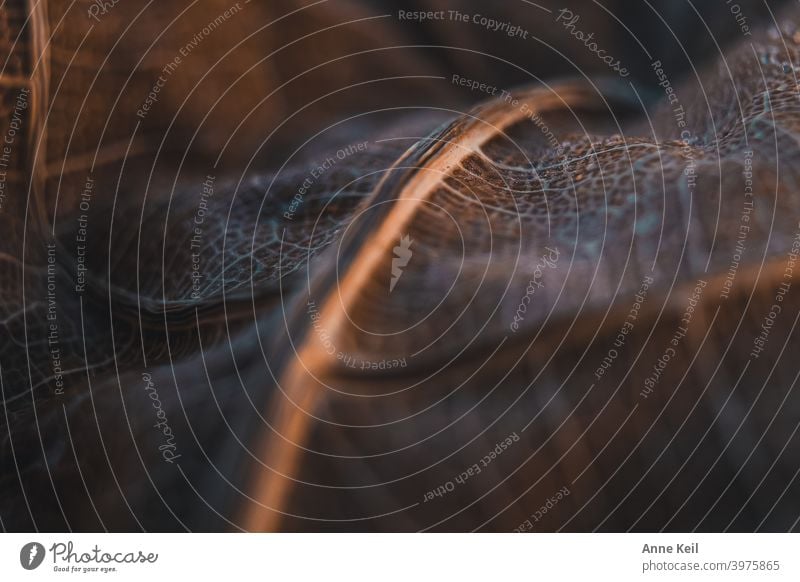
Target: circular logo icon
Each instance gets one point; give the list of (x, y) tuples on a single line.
[(31, 555)]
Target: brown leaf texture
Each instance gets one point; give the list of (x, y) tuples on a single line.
[(319, 286), (489, 227)]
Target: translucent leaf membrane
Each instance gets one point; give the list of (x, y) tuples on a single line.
[(430, 336), (526, 263)]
